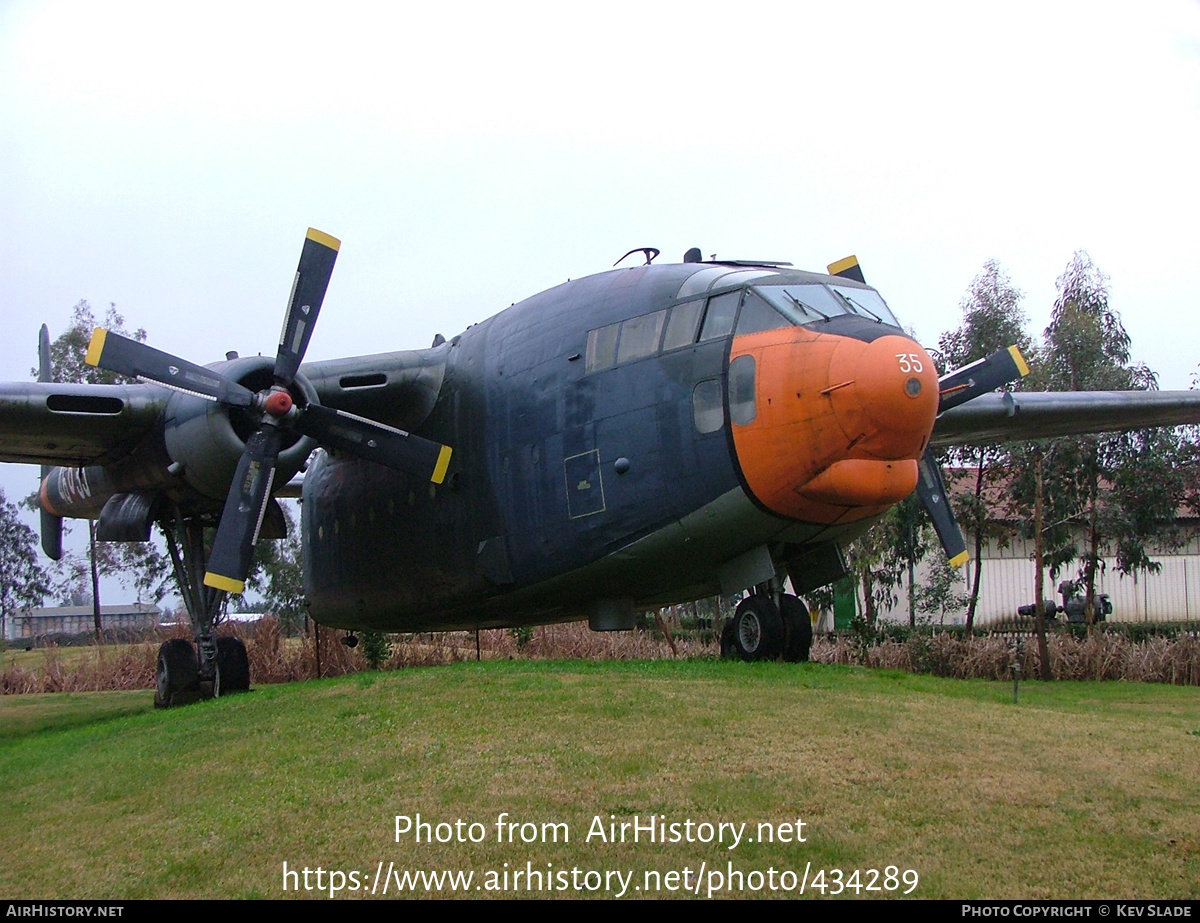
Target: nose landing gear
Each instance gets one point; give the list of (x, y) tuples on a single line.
[(763, 629)]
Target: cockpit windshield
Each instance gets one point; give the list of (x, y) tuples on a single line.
[(805, 304)]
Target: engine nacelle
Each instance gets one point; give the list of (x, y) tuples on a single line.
[(194, 458), (207, 438)]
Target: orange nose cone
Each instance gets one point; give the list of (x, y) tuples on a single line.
[(898, 387), (838, 425)]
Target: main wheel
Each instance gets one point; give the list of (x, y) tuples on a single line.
[(797, 628), (176, 678), (729, 650), (757, 629), (233, 666)]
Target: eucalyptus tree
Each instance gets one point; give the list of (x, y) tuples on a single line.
[(1127, 485), (23, 582), (992, 319)]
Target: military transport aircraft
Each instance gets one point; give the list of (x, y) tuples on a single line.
[(645, 436)]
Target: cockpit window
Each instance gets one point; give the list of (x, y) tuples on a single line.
[(803, 303), (699, 281), (718, 277), (718, 319), (681, 327), (866, 303), (639, 336), (758, 315)]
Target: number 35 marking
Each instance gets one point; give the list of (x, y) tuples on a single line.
[(910, 362)]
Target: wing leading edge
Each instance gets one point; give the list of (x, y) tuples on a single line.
[(56, 424), (1004, 417)]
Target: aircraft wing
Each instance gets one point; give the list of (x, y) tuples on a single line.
[(1004, 417), (55, 424)]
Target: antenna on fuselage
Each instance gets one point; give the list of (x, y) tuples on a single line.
[(651, 253)]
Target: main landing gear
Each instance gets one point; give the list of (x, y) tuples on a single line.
[(767, 626), (213, 666)]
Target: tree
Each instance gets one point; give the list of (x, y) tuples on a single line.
[(1121, 490), (892, 547), (992, 320), (278, 576), (1088, 349), (67, 351), (136, 565), (139, 564), (23, 583)]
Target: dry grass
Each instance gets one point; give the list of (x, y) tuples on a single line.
[(1102, 656), (275, 658)]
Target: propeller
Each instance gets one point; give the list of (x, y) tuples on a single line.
[(980, 377), (250, 491), (956, 388), (932, 491)]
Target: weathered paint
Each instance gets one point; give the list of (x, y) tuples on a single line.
[(537, 520)]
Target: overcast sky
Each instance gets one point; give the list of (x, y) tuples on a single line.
[(169, 157)]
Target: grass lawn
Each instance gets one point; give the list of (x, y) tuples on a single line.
[(1082, 790)]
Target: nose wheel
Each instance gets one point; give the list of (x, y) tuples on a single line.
[(762, 629), (756, 630), (797, 628)]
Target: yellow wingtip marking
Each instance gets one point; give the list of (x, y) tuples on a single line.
[(443, 462), (842, 265), (228, 584), (1022, 365), (960, 559), (325, 240), (95, 347)]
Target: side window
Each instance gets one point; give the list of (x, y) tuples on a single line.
[(718, 319), (742, 408), (757, 316), (639, 336), (681, 328), (602, 347), (706, 406)]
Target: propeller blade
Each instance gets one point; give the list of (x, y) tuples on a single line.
[(375, 442), (847, 268), (242, 517), (124, 356), (932, 492), (980, 377), (308, 291)]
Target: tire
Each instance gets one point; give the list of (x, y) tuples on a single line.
[(757, 629), (233, 666), (797, 629), (176, 677), (728, 650)]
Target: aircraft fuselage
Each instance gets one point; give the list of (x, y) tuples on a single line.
[(635, 438)]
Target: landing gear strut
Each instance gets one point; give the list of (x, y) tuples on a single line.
[(214, 666)]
